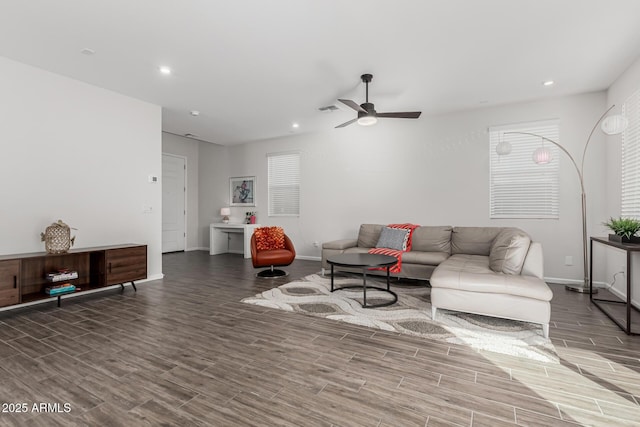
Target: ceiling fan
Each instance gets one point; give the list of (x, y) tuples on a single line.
[(367, 115)]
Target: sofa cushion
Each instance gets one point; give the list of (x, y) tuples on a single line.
[(432, 239), (509, 250), (393, 238), (419, 257), (534, 263), (472, 273), (369, 235), (340, 244), (356, 250), (473, 240)]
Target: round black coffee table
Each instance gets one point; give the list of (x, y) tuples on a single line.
[(364, 261)]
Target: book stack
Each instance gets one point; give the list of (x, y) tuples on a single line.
[(59, 289), (62, 275)]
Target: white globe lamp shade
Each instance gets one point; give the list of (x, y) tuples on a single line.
[(542, 156), (367, 120), (614, 125), (503, 148)]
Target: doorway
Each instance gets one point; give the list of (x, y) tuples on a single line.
[(174, 194)]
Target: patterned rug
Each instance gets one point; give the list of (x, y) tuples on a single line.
[(410, 315)]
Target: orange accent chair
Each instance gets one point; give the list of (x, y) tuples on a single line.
[(270, 247)]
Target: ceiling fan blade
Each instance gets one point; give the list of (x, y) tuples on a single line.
[(346, 123), (353, 105), (407, 115)]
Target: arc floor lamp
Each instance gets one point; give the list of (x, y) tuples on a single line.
[(611, 125)]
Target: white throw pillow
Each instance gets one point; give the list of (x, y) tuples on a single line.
[(508, 251)]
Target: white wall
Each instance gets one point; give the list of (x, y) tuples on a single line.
[(188, 148), (620, 90), (213, 175), (431, 171), (79, 153)]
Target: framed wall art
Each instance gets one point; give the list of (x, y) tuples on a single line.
[(242, 191)]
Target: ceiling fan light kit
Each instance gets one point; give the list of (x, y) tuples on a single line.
[(367, 114), (367, 120)]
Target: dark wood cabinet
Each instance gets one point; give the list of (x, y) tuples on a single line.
[(126, 265), (23, 276), (9, 282)]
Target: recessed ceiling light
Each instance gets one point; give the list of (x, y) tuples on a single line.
[(87, 51), (195, 113), (165, 70), (548, 83), (295, 125)]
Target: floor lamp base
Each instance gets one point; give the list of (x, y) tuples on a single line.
[(580, 288)]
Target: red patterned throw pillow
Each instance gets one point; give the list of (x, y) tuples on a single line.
[(268, 238)]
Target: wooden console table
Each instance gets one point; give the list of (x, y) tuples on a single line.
[(23, 276), (219, 237), (629, 249)]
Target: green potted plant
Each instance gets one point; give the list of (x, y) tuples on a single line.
[(625, 229)]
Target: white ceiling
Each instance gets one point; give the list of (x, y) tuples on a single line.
[(254, 67)]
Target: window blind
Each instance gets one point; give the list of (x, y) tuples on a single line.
[(284, 184), (631, 158), (520, 188)]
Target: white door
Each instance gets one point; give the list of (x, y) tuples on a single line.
[(173, 203)]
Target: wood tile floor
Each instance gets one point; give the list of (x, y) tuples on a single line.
[(184, 351)]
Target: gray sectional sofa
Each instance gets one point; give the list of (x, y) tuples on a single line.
[(493, 271)]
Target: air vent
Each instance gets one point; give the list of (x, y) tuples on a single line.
[(328, 108)]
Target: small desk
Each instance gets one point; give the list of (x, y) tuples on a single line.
[(599, 302), (219, 237)]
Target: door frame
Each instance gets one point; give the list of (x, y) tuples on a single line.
[(186, 186)]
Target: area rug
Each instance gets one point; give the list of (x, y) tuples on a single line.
[(411, 315)]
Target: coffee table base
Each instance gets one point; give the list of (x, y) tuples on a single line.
[(364, 290)]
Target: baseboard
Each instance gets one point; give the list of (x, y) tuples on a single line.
[(596, 284), (623, 297), (197, 249), (309, 258), (562, 281), (305, 257), (150, 278)]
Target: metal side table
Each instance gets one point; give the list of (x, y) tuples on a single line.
[(629, 248)]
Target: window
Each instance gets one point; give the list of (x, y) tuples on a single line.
[(631, 158), (520, 188), (284, 184)]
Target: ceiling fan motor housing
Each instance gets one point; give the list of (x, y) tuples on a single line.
[(369, 107)]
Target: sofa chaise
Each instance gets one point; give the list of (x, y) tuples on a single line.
[(493, 271)]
